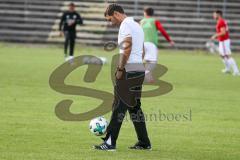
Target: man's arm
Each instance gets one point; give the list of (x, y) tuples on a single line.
[(222, 33), (61, 24), (79, 19), (143, 55), (126, 47), (163, 31)]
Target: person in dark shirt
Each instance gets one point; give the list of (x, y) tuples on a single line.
[(67, 27)]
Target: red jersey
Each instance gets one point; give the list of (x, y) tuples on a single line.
[(222, 24)]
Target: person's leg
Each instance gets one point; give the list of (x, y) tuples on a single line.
[(149, 67), (226, 63), (137, 115), (224, 57), (231, 61), (150, 58), (119, 109), (72, 43), (234, 66), (66, 35), (138, 119), (118, 114)]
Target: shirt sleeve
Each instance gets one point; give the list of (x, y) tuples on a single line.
[(124, 32), (162, 30), (222, 24), (62, 21), (79, 19)]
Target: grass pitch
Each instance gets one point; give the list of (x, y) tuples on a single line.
[(30, 129)]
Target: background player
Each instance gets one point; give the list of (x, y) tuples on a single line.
[(67, 27), (151, 26), (224, 43)]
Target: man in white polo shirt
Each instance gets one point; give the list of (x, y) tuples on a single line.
[(129, 79)]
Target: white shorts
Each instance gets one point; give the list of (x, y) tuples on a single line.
[(151, 51), (224, 48)]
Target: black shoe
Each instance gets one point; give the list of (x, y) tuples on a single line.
[(105, 147), (104, 139), (141, 146)]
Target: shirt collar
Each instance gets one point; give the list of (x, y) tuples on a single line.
[(128, 19)]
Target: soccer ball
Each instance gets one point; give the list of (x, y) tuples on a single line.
[(98, 126), (211, 47), (94, 60)]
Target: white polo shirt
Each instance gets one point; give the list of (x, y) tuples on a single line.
[(130, 28)]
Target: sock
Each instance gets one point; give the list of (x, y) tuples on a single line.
[(233, 64), (146, 72), (226, 63), (109, 141), (149, 67)]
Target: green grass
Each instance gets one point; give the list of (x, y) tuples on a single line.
[(30, 130)]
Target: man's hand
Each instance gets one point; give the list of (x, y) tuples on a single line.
[(119, 74), (172, 43), (61, 34), (222, 33), (213, 37)]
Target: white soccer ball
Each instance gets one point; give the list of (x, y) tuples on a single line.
[(211, 47), (98, 126)]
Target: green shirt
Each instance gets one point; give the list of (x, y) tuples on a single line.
[(150, 30)]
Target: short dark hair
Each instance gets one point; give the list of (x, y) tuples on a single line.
[(219, 12), (71, 4), (149, 11), (113, 7)]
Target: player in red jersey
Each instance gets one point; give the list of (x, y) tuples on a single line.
[(222, 36)]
